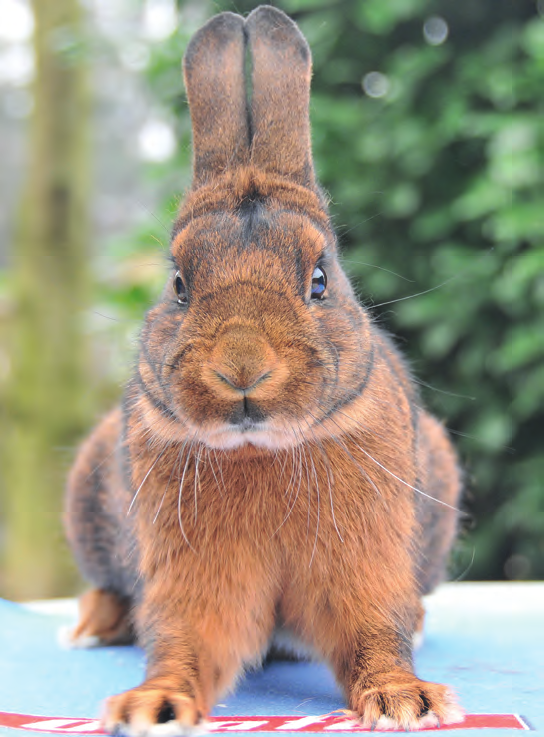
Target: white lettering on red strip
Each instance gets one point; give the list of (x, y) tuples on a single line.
[(234, 726), (295, 724)]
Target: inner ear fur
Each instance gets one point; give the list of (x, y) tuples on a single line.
[(273, 134), (213, 69), (281, 73)]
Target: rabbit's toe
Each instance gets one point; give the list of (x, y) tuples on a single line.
[(406, 703), (150, 712)]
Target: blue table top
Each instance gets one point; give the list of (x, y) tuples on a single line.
[(484, 640)]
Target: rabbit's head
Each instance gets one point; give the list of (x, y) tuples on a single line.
[(258, 339)]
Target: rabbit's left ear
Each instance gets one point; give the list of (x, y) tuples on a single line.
[(280, 101)]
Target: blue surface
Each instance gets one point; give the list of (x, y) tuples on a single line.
[(484, 640)]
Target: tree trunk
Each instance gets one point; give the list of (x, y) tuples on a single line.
[(48, 392)]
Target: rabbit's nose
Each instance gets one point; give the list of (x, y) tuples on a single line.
[(242, 362)]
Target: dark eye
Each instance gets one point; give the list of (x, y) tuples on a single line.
[(319, 283), (179, 289)]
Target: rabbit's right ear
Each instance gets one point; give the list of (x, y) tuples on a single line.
[(282, 68), (213, 68)]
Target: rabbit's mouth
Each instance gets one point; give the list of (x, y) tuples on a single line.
[(247, 433), (248, 425)]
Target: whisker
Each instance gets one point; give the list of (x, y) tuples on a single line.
[(461, 576), (363, 472), (419, 491), (197, 481), (414, 488), (318, 502), (374, 266), (144, 480), (180, 494), (328, 470), (508, 448), (442, 391), (168, 485), (113, 319), (220, 467), (362, 222), (302, 447), (159, 221), (99, 465), (289, 506), (418, 294), (208, 451)]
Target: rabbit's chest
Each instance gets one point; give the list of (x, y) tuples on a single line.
[(293, 511)]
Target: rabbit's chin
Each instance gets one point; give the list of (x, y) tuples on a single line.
[(260, 435)]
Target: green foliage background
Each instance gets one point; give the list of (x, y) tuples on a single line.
[(438, 200)]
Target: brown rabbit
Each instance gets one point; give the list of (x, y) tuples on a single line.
[(271, 465)]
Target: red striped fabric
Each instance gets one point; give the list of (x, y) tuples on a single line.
[(326, 723)]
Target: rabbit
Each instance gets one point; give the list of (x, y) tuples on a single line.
[(271, 466)]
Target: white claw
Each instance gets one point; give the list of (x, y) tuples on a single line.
[(66, 640)]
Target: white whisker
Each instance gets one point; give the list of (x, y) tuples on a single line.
[(168, 485), (197, 481), (213, 470), (414, 488), (318, 503), (180, 494), (290, 506), (328, 470), (144, 480)]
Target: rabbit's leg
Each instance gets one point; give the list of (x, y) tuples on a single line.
[(98, 530), (440, 478), (104, 619), (377, 674), (364, 625), (196, 649)]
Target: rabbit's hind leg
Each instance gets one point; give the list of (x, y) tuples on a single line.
[(104, 619), (95, 509), (437, 512)]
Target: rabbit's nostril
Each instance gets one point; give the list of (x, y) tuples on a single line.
[(242, 381)]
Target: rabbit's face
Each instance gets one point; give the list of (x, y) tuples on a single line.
[(247, 346)]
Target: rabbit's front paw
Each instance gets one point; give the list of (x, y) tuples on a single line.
[(393, 701), (153, 711)]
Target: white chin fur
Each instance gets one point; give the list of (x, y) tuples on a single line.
[(230, 438)]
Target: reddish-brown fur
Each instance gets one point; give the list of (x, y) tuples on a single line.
[(271, 464)]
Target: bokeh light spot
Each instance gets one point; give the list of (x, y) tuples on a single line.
[(156, 141), (435, 30), (160, 19), (376, 84), (16, 21)]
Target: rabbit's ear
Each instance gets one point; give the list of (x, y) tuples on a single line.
[(282, 68), (213, 68)]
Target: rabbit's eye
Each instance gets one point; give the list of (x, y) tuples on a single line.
[(179, 289), (319, 283)]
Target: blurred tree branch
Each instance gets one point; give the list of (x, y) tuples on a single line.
[(48, 395)]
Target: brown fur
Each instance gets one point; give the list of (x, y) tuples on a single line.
[(271, 464)]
